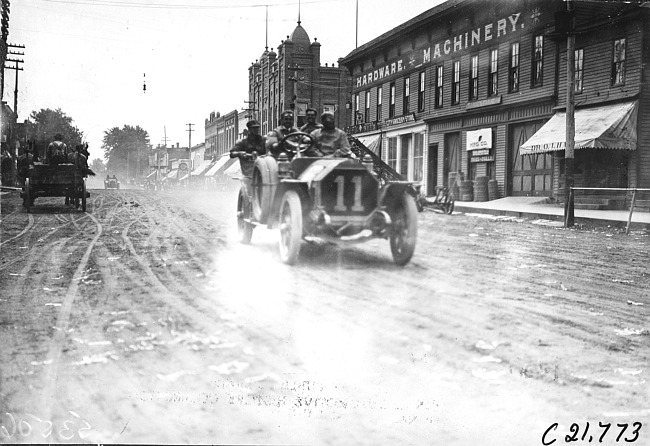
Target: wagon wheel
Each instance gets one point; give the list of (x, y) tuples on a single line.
[(83, 196), (297, 142), (405, 228), (27, 195), (290, 227), (244, 228)]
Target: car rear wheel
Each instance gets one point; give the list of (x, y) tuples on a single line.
[(265, 180), (83, 196), (27, 196), (244, 228), (290, 227), (403, 235)]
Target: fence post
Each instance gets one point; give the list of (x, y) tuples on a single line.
[(629, 218)]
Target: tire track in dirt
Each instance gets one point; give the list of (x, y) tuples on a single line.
[(56, 345)]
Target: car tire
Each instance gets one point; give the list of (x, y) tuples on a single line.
[(265, 181), (404, 229), (244, 228), (290, 223)]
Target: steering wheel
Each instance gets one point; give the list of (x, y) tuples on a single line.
[(297, 142)]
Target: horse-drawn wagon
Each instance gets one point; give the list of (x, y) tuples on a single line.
[(55, 180)]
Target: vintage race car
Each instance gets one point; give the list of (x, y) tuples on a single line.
[(333, 199), (111, 183)]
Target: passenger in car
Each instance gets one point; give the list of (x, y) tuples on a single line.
[(330, 140)]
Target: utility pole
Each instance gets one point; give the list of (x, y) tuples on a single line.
[(16, 61), (249, 110), (189, 152), (570, 118)]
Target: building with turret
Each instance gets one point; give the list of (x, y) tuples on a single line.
[(293, 78)]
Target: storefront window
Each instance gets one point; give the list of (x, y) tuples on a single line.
[(473, 79), (513, 75), (421, 91), (618, 64), (367, 104), (407, 95), (579, 67), (404, 155), (439, 82), (538, 61), (493, 76), (418, 157), (391, 158), (455, 86), (379, 94)]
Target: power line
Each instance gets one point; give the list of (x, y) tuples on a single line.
[(129, 4)]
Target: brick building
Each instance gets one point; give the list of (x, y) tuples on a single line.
[(221, 133), (294, 77), (479, 87)]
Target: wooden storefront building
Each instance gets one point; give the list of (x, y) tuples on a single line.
[(479, 87)]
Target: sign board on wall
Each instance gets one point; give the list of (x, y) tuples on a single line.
[(328, 108), (479, 139)]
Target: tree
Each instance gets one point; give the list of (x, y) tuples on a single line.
[(98, 166), (126, 150), (44, 124)]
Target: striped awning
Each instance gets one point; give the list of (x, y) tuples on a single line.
[(201, 167), (605, 127), (220, 163)]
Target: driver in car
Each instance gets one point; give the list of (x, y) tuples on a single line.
[(330, 140), (275, 136), (254, 142)]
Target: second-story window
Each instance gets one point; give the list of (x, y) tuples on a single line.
[(538, 61), (579, 70), (513, 74), (455, 83), (421, 91), (357, 113), (380, 92), (407, 95), (439, 85), (618, 64), (473, 78), (391, 104), (367, 104), (493, 75)]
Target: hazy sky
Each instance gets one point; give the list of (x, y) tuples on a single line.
[(91, 57)]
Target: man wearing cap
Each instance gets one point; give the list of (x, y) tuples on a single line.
[(329, 140), (275, 136), (57, 151), (244, 148), (311, 124)]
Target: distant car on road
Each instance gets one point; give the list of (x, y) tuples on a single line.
[(111, 183)]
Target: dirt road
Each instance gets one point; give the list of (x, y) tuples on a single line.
[(145, 321)]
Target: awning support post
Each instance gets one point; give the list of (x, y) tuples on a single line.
[(629, 218)]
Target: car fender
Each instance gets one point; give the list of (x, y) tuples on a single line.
[(300, 187), (393, 191)]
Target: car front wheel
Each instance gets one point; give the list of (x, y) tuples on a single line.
[(290, 227), (244, 228), (404, 231)]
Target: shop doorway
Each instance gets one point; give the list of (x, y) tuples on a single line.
[(529, 175), (452, 156), (432, 170)]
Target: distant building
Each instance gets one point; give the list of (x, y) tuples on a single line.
[(221, 133), (293, 78)]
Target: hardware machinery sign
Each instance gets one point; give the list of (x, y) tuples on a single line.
[(486, 33)]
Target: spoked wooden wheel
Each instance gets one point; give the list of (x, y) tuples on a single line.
[(403, 235), (27, 196), (83, 196), (290, 227)]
